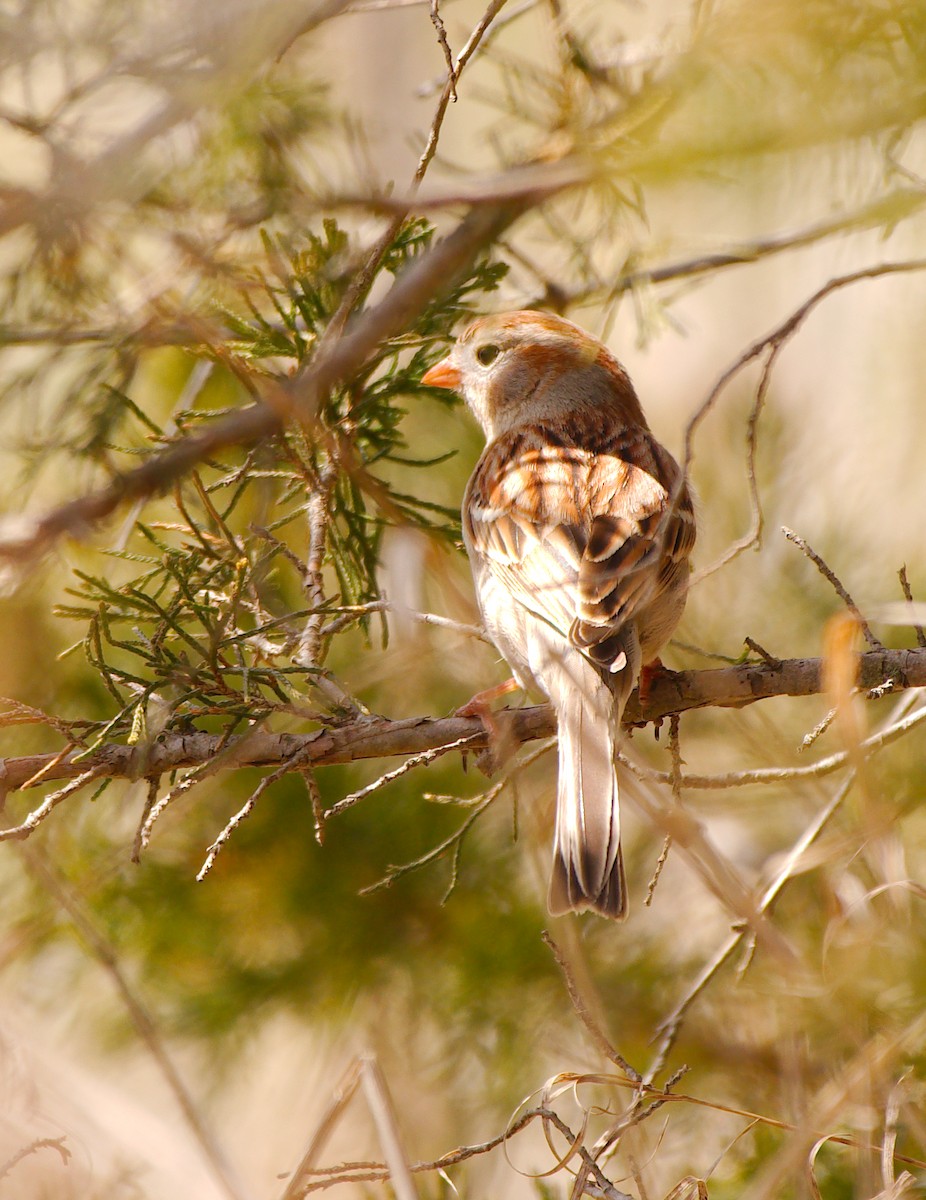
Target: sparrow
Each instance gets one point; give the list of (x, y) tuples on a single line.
[(579, 527)]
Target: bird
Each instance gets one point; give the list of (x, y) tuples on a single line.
[(579, 526)]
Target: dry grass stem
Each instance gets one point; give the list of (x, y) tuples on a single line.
[(66, 897)]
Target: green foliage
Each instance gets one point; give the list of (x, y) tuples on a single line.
[(208, 619)]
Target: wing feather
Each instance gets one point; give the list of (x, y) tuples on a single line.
[(582, 527)]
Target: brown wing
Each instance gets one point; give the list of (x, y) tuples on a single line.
[(580, 526), (635, 565)]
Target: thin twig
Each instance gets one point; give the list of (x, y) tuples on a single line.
[(827, 572), (417, 760), (318, 808), (151, 797), (478, 806), (818, 730), (438, 24), (675, 750), (45, 771), (657, 871), (38, 815), (771, 775), (582, 1011), (784, 332), (351, 613), (449, 89), (908, 596), (318, 513), (767, 658), (896, 206), (228, 752), (437, 852), (245, 811)]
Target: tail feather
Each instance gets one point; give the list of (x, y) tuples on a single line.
[(588, 869)]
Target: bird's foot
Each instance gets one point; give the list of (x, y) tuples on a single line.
[(478, 705), (491, 758), (649, 674)]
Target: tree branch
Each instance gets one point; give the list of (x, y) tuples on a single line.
[(435, 273), (670, 692)]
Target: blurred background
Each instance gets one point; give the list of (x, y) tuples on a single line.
[(162, 168)]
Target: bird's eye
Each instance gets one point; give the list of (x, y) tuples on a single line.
[(487, 354)]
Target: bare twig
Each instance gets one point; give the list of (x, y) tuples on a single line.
[(226, 753), (417, 760), (675, 750), (454, 842), (753, 535), (830, 575), (438, 851), (318, 808), (773, 343), (581, 1009), (351, 613), (753, 645), (771, 775), (438, 24), (895, 206), (151, 797), (818, 730), (908, 596), (449, 90), (657, 871), (38, 815), (244, 812), (318, 516)]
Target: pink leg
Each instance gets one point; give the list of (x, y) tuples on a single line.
[(489, 760), (478, 705)]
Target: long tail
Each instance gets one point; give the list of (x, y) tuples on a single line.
[(588, 870)]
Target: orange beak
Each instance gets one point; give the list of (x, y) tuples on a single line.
[(443, 375)]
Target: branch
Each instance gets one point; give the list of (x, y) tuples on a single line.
[(887, 210), (670, 692), (432, 276)]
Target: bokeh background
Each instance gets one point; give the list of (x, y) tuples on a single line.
[(150, 154)]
